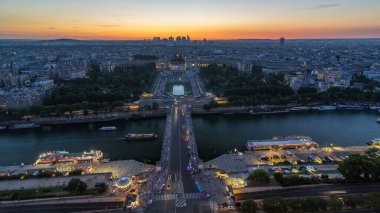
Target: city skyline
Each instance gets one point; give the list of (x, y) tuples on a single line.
[(130, 20)]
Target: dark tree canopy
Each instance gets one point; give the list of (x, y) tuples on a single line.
[(256, 88)]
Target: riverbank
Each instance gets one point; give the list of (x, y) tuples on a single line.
[(250, 160), (146, 114), (267, 109), (71, 119), (215, 134)]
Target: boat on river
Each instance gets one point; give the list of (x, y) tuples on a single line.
[(375, 107), (299, 108), (24, 126), (282, 142), (53, 157), (140, 137), (325, 108), (108, 128), (351, 107), (374, 142)]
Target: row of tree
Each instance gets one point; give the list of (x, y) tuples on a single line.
[(296, 180), (124, 84), (99, 92), (78, 187), (256, 88), (361, 168), (313, 204)]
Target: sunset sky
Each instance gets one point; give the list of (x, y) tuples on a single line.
[(211, 19)]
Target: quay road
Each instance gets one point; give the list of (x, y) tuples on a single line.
[(318, 190)]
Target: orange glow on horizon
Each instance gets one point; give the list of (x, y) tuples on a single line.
[(144, 19)]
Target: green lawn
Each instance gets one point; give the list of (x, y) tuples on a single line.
[(188, 89), (169, 88)]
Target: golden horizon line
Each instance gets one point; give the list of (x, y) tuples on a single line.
[(192, 39)]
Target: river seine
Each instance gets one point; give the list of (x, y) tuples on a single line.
[(215, 134)]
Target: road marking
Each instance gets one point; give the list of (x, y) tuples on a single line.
[(192, 196), (180, 186), (181, 200), (165, 197)]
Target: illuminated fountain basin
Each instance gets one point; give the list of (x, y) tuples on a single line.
[(178, 90)]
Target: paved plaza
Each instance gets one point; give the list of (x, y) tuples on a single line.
[(123, 168), (37, 183)]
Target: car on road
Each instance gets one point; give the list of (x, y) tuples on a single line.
[(264, 158), (311, 169)]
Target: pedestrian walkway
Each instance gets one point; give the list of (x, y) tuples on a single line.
[(188, 196), (180, 202), (192, 196), (165, 197)]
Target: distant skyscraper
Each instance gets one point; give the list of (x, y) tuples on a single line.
[(178, 39), (282, 41), (188, 38)]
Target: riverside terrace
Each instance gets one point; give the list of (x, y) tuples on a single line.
[(94, 170), (244, 162)]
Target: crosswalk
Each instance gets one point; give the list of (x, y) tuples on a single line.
[(180, 196), (165, 197), (181, 200), (173, 176), (188, 196), (192, 196)]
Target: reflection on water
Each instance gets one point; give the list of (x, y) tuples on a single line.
[(216, 134), (24, 145)]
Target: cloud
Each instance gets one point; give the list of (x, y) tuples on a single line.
[(109, 25), (319, 7), (51, 28), (75, 27)]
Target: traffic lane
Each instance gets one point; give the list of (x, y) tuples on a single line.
[(319, 190), (174, 145), (62, 208), (188, 183)]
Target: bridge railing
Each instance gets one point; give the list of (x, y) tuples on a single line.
[(192, 143), (165, 151)]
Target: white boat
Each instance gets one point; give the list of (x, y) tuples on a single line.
[(326, 107), (374, 142), (350, 107), (299, 108), (24, 126), (108, 128), (287, 142), (377, 108)]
